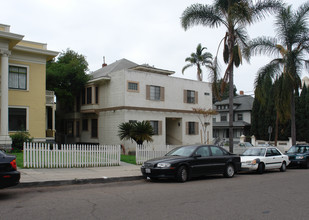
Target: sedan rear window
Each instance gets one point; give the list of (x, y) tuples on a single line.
[(255, 152)]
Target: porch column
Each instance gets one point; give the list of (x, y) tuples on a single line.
[(4, 135)]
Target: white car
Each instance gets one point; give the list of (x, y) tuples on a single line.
[(263, 158)]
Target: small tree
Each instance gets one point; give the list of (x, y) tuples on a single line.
[(18, 140), (136, 131), (203, 116)]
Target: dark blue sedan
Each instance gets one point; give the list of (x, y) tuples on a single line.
[(9, 176), (299, 156)]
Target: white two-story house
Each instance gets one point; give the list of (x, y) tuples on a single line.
[(125, 91), (241, 121)]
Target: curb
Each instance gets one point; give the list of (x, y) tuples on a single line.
[(77, 181)]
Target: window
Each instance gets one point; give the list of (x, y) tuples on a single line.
[(85, 124), (192, 128), (190, 96), (223, 117), (154, 93), (214, 120), (17, 77), (17, 119), (96, 95), (94, 128), (89, 95), (133, 87), (239, 117), (155, 127), (203, 151), (216, 151)]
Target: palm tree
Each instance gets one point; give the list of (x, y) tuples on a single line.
[(199, 59), (234, 15), (137, 131), (292, 44)]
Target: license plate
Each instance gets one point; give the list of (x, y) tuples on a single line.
[(147, 170)]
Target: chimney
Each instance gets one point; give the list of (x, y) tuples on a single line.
[(104, 64), (241, 92)]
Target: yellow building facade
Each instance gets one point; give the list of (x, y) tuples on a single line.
[(25, 104)]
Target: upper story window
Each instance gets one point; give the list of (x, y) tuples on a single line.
[(17, 77), (133, 86), (90, 95), (223, 117), (190, 96), (239, 117), (155, 93)]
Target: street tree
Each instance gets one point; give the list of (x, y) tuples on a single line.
[(234, 15), (204, 117), (291, 48), (66, 75)]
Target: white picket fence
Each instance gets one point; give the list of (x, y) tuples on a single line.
[(147, 152), (42, 155)]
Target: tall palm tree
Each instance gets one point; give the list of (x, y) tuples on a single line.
[(290, 46), (199, 59), (234, 15)]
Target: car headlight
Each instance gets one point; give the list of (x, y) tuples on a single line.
[(163, 165), (252, 162), (299, 157)]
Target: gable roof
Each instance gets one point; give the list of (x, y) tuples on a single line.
[(242, 103)]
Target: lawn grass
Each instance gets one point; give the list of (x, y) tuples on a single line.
[(19, 159), (128, 159)]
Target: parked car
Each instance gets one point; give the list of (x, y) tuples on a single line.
[(185, 162), (9, 176), (299, 156), (264, 158)]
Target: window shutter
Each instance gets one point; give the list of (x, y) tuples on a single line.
[(196, 97), (148, 92), (196, 127), (159, 127), (185, 96), (161, 93), (187, 128)]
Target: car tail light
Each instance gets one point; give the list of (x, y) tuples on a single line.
[(13, 164)]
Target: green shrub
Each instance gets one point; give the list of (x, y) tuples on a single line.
[(18, 140)]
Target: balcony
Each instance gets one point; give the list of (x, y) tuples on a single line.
[(50, 97)]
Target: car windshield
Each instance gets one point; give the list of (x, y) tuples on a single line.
[(298, 149), (182, 151), (255, 152)]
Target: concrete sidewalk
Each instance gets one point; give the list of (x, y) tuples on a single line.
[(67, 176)]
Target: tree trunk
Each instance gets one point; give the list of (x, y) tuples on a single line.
[(293, 125)]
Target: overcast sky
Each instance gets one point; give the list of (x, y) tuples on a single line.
[(143, 31)]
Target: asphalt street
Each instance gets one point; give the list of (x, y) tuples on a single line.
[(273, 195)]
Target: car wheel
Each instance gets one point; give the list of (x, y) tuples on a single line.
[(283, 167), (182, 174), (260, 169), (229, 171)]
